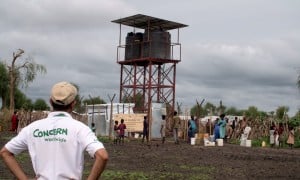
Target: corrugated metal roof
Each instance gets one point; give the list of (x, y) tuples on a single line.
[(144, 22)]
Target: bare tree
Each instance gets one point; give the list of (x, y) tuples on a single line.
[(21, 73)]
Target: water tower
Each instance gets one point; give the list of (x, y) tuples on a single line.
[(148, 60)]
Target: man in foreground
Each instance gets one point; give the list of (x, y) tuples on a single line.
[(56, 144)]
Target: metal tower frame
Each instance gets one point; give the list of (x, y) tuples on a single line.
[(145, 80)]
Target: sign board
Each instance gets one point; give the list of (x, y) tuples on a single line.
[(133, 122)]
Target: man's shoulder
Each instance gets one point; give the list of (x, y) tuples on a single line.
[(37, 122), (65, 120)]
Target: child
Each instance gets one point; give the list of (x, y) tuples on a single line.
[(145, 129), (280, 135), (272, 137), (291, 137), (276, 136), (163, 129), (116, 133), (122, 128)]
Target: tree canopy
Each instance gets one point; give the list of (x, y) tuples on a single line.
[(94, 100), (40, 105), (4, 83)]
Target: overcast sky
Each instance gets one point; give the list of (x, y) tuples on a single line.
[(245, 53)]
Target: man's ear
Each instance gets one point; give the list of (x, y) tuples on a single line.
[(50, 101), (73, 104)]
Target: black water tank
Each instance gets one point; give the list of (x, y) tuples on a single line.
[(158, 45), (133, 45)]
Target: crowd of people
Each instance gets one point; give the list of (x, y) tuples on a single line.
[(277, 135), (219, 128)]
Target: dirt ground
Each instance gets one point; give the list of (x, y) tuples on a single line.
[(136, 160)]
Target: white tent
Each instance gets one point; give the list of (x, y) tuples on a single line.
[(99, 114)]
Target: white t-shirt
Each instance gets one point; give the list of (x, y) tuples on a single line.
[(56, 146)]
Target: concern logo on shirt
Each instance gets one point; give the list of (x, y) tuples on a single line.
[(48, 134)]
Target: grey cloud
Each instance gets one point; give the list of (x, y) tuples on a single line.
[(55, 15), (243, 53)]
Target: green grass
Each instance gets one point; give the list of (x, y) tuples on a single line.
[(23, 157), (195, 173), (109, 174), (207, 169), (7, 138), (258, 142), (118, 175), (104, 139)]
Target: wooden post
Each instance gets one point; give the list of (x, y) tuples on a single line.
[(111, 125), (149, 118)]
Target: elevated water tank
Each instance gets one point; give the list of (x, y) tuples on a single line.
[(158, 44), (133, 45)]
